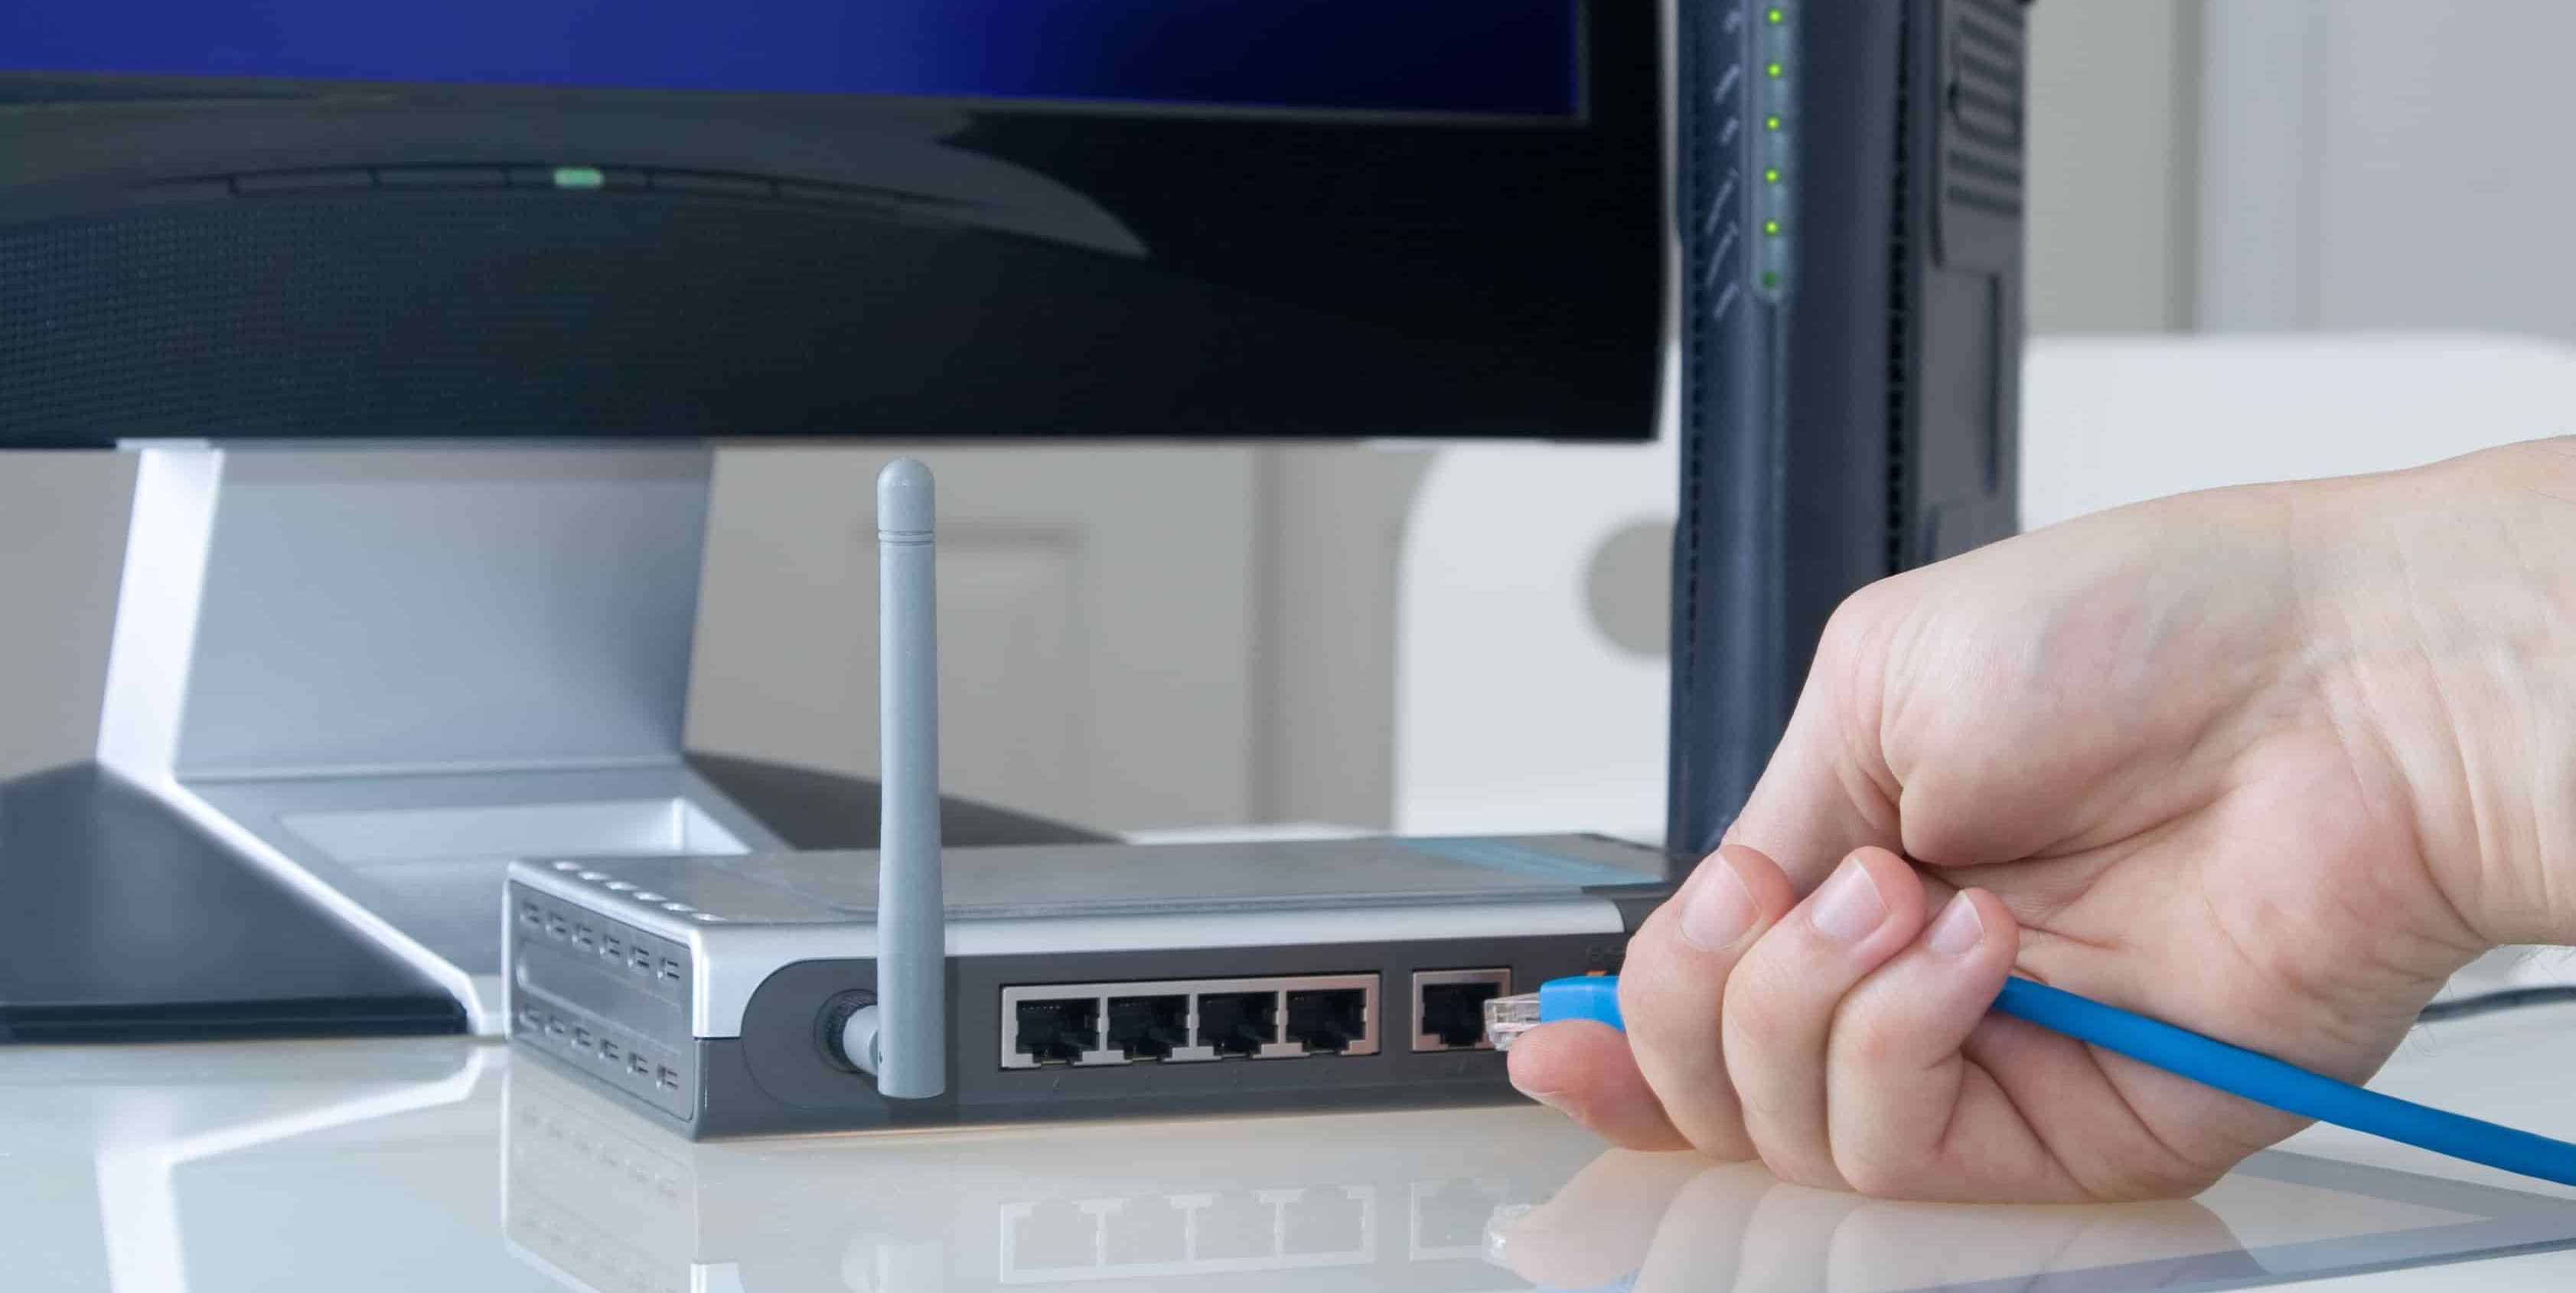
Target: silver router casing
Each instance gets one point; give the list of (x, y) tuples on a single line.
[(707, 991)]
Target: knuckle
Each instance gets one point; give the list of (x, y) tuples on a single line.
[(1869, 1041), (1855, 623), (1657, 992), (1752, 1011)]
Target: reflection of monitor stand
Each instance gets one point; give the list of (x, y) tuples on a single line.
[(382, 672)]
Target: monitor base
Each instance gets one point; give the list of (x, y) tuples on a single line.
[(128, 921)]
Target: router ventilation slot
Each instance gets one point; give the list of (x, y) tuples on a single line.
[(1981, 124), (1900, 321)]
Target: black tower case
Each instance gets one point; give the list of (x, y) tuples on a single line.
[(1849, 188)]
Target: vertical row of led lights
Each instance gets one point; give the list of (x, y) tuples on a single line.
[(1775, 48)]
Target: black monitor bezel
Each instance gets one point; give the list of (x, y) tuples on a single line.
[(1520, 258)]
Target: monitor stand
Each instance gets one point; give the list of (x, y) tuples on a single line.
[(379, 673)]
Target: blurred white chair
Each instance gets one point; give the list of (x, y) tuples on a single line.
[(1516, 711)]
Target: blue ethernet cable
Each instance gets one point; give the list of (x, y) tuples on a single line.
[(2206, 1060)]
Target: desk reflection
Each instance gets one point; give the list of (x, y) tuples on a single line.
[(1431, 1201), (1347, 1203), (1658, 1222)]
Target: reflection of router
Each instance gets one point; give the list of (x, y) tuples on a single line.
[(813, 991), (603, 1200)]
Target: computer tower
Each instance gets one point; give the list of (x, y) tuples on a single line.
[(1849, 192)]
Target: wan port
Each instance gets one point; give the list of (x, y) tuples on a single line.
[(1449, 1007)]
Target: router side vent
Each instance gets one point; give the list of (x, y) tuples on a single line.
[(1900, 308), (1980, 136)]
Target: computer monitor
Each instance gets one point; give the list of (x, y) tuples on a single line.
[(422, 316), (542, 222), (311, 219)]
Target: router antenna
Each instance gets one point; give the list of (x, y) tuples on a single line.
[(911, 1046)]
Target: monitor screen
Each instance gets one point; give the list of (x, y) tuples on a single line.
[(1227, 220), (1503, 57)]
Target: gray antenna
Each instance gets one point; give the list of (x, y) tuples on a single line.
[(903, 1039)]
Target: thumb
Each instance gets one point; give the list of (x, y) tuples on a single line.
[(1827, 790)]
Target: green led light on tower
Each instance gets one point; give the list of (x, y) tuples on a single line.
[(1772, 70), (1770, 226), (1771, 123), (1770, 174), (1775, 17)]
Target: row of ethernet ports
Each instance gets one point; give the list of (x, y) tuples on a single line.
[(1276, 1017)]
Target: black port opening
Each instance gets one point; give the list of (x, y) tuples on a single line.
[(1058, 1032), (1455, 1012), (1237, 1023), (1147, 1028), (1327, 1020)]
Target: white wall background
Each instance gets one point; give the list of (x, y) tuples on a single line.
[(2390, 164), (2114, 165)]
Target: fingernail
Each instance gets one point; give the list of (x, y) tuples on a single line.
[(1848, 907), (1718, 911), (1957, 931)]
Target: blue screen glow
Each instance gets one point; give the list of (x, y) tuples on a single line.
[(1515, 57)]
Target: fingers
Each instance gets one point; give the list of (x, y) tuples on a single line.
[(1827, 789), (1674, 982), (1893, 1068), (1780, 1003), (1584, 1070), (1824, 793)]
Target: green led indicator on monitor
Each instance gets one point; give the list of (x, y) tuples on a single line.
[(1771, 175), (1770, 226), (578, 177), (1770, 123), (1771, 70), (1776, 16)]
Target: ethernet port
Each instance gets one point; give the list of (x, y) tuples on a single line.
[(1237, 1023), (1327, 1020), (1058, 1032), (1449, 1007), (1147, 1028)]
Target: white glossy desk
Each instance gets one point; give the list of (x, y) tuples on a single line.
[(447, 1165)]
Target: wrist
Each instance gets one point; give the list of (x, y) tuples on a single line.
[(2445, 600)]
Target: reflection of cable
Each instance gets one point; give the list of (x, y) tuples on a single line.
[(2488, 1003), (2205, 1060)]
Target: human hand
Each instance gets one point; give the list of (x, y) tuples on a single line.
[(2267, 763)]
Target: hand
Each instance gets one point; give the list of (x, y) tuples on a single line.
[(2268, 763)]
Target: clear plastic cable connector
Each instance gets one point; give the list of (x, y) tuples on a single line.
[(1506, 1018)]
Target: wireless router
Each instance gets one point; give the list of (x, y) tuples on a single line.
[(818, 991)]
